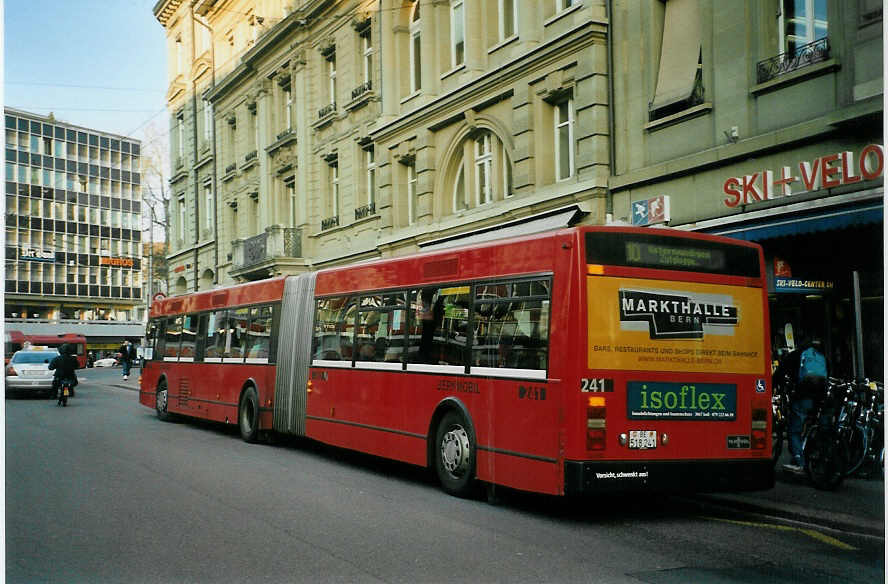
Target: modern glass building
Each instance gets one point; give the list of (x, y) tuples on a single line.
[(73, 222)]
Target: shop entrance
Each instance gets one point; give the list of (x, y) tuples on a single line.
[(811, 285)]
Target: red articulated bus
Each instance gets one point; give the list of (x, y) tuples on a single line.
[(15, 340), (576, 361)]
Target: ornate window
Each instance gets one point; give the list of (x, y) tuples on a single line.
[(802, 22), (457, 33), (411, 193), (508, 19), (481, 171), (415, 50), (564, 139)]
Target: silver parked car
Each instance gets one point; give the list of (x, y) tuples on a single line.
[(28, 371)]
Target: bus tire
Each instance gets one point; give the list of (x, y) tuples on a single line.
[(455, 455), (248, 415), (161, 401)]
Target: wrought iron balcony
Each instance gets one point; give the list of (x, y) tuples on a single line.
[(274, 245), (362, 89), (255, 249), (784, 63), (231, 167), (284, 134), (365, 211), (326, 110), (251, 156), (330, 222)]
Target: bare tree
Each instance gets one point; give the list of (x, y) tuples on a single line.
[(156, 206)]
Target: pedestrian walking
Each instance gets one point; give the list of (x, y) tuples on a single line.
[(810, 382), (127, 356)]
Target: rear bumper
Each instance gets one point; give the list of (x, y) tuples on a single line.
[(23, 384), (587, 477)]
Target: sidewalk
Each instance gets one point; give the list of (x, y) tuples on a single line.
[(857, 505)]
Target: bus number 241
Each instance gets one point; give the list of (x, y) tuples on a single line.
[(596, 384)]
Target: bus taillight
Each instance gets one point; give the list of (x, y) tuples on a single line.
[(596, 414), (759, 428)]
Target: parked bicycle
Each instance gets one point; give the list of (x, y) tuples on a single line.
[(864, 430)]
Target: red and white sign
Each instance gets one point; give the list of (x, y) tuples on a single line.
[(651, 211), (825, 172), (781, 268), (158, 296)]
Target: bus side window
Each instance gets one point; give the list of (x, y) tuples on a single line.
[(439, 325), (216, 334), (512, 325), (238, 324), (200, 344), (189, 336), (334, 329), (380, 328), (173, 336), (158, 340), (259, 334)]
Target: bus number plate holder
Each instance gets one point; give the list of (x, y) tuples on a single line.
[(642, 439)]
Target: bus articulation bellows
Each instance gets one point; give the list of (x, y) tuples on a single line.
[(583, 360)]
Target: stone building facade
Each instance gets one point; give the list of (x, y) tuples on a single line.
[(763, 120), (317, 133)]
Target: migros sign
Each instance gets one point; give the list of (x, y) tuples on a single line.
[(832, 170)]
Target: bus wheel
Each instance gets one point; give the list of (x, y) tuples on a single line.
[(455, 455), (248, 415), (161, 400)]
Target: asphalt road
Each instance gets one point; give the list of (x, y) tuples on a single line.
[(102, 491)]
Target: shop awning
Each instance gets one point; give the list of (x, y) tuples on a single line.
[(557, 219), (825, 220)]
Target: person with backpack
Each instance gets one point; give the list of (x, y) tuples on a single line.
[(810, 383)]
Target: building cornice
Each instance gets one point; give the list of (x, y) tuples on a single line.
[(165, 9)]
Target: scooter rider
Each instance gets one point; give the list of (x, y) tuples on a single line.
[(65, 367)]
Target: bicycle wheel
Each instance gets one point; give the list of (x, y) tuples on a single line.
[(826, 457), (857, 446)]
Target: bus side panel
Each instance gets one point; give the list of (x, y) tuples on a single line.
[(148, 378), (364, 410), (208, 390)]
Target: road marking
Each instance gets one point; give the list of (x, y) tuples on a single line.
[(809, 532)]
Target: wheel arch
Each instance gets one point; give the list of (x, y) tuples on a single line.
[(446, 405)]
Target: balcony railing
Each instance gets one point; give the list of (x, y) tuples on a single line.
[(326, 110), (231, 167), (329, 223), (784, 63), (275, 243), (365, 211), (362, 89), (284, 134), (251, 156)]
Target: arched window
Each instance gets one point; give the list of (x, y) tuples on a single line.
[(481, 171), (415, 50)]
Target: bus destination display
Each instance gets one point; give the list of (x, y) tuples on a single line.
[(673, 257)]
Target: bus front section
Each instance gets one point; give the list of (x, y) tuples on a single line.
[(674, 390)]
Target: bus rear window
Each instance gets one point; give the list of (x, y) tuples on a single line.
[(663, 252)]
